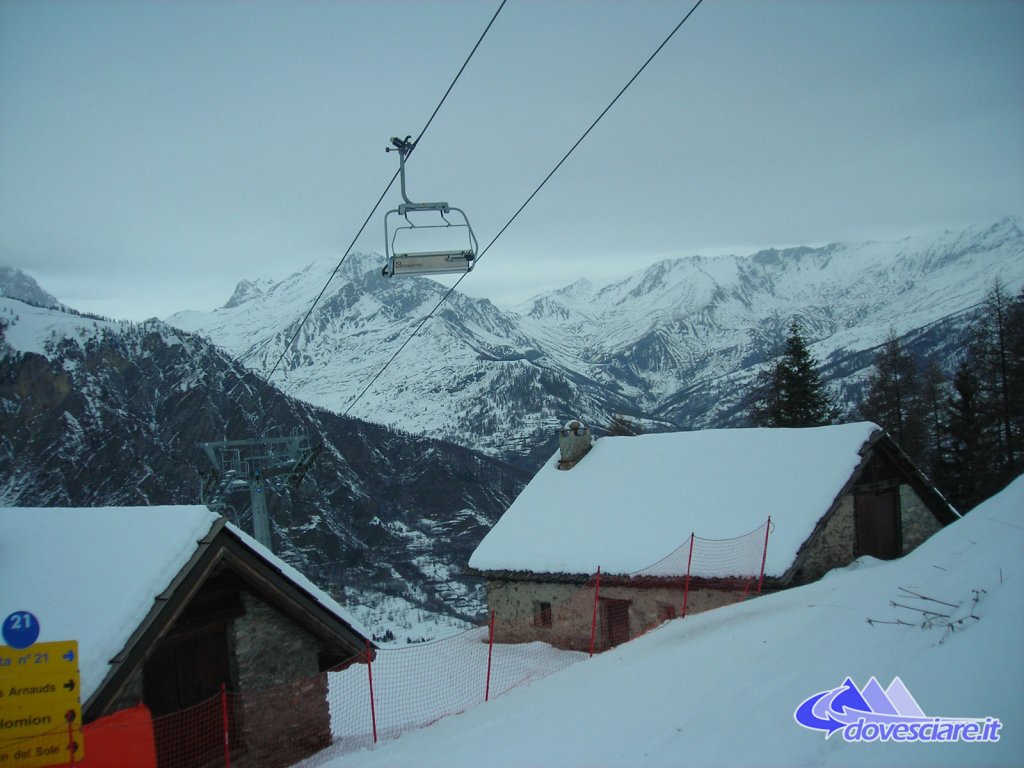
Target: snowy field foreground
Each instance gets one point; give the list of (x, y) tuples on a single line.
[(721, 688)]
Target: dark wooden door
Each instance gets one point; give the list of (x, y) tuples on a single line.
[(877, 520), (186, 671), (182, 673), (616, 621)]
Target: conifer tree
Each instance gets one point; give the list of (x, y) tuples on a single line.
[(623, 426), (1015, 377), (966, 470), (895, 399), (791, 392), (995, 357), (935, 388)]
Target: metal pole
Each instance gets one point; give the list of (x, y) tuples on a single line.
[(72, 746), (225, 723), (764, 555), (401, 170), (593, 623), (490, 650), (260, 516), (686, 588), (373, 707)]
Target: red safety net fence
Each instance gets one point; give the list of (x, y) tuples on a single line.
[(533, 630), (714, 572)]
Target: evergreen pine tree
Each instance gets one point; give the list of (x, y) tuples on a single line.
[(990, 355), (995, 359), (623, 426), (895, 399), (934, 390), (791, 392), (966, 466), (1015, 378)]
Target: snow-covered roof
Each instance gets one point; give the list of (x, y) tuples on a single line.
[(631, 501), (92, 574)]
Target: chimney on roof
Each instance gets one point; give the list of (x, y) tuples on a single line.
[(574, 441)]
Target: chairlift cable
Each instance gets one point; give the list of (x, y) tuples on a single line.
[(376, 205), (528, 200), (323, 290)]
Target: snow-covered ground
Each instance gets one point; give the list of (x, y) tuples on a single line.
[(721, 688), (417, 685)]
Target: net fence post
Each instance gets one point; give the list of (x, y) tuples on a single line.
[(225, 724), (490, 651), (764, 553), (686, 585), (373, 707), (72, 746), (593, 622)]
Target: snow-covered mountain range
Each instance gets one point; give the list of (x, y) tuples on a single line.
[(673, 346), (95, 413)]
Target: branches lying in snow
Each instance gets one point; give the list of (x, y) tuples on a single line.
[(932, 619), (923, 597)]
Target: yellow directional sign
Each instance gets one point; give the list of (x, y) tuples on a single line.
[(25, 690), (40, 658), (38, 687), (39, 750), (37, 719)]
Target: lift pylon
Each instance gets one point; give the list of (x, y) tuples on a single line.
[(259, 464)]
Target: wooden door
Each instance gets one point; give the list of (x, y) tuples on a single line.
[(877, 521), (615, 621), (182, 673)]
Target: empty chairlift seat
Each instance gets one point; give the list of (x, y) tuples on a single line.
[(423, 245)]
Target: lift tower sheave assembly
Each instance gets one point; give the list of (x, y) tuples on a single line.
[(259, 464)]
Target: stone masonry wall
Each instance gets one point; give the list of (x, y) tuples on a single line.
[(916, 519), (282, 713), (514, 604), (833, 548), (269, 649)]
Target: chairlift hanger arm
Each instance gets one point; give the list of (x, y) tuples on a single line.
[(404, 148)]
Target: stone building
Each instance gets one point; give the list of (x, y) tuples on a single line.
[(629, 506), (169, 604)]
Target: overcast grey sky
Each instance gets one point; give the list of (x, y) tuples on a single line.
[(155, 152)]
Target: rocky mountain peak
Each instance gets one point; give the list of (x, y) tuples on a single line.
[(15, 284)]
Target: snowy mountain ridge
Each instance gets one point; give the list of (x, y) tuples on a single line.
[(15, 284), (673, 345), (105, 413)]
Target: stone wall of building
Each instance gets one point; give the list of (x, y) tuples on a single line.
[(917, 521), (269, 648), (833, 547), (517, 609), (281, 726), (282, 714)]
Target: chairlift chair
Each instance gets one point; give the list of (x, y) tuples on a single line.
[(459, 258)]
